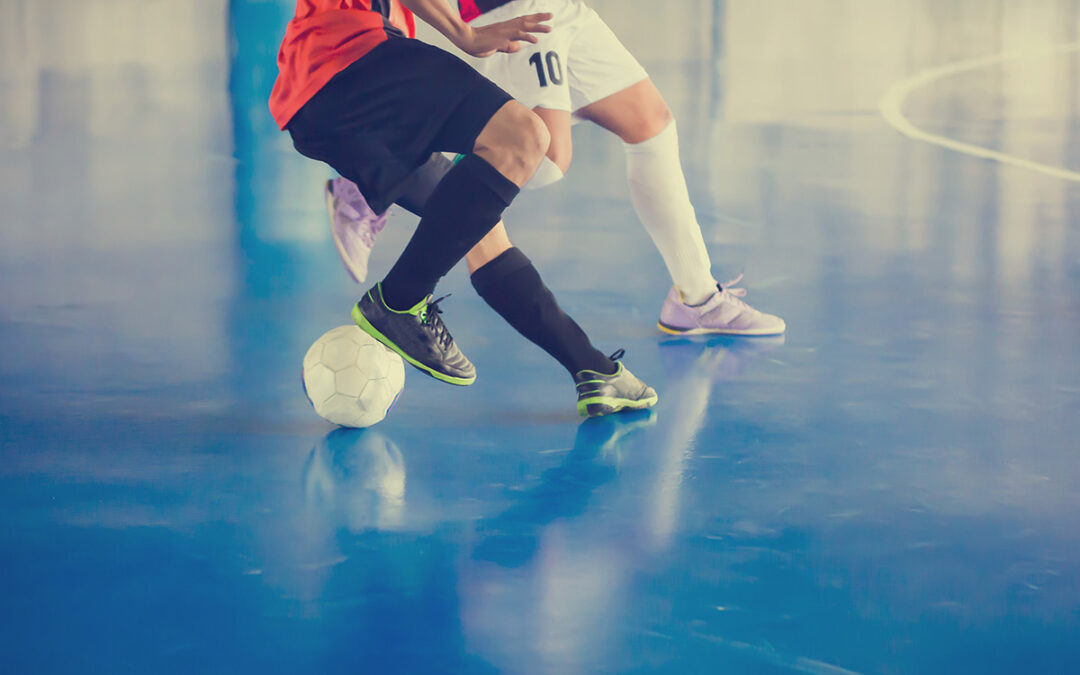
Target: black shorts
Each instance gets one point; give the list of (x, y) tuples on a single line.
[(380, 119)]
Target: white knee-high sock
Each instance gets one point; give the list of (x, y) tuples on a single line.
[(658, 192)]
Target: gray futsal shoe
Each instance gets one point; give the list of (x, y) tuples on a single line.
[(600, 394), (417, 334)]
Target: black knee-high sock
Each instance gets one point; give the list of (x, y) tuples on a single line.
[(514, 289), (464, 207)]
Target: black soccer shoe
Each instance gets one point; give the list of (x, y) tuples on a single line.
[(417, 334), (600, 394)]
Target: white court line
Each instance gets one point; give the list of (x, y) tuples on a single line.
[(892, 107)]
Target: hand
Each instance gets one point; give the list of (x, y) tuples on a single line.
[(506, 36)]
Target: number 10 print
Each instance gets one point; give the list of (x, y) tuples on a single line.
[(554, 68)]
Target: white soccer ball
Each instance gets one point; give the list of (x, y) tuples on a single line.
[(351, 379)]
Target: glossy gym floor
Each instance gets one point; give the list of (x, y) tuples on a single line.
[(892, 488)]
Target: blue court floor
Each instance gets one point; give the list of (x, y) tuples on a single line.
[(892, 488)]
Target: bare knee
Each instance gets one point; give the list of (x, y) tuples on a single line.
[(646, 122), (656, 119), (514, 142), (558, 123), (634, 114), (535, 140), (651, 117)]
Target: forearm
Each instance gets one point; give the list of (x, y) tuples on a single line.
[(440, 16)]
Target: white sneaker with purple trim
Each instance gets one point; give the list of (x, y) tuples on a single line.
[(724, 313), (353, 224)]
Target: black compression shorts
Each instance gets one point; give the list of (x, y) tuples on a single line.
[(380, 119)]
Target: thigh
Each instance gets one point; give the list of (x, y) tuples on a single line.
[(599, 64), (634, 114)]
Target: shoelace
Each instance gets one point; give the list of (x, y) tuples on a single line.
[(617, 354), (735, 293), (429, 316)]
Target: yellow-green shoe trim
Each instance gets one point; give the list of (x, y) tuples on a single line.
[(597, 406), (366, 326)]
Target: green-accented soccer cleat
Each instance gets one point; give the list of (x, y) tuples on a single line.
[(417, 334), (600, 394)]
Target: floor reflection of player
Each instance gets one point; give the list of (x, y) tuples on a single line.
[(375, 569), (549, 573), (546, 574), (510, 538)]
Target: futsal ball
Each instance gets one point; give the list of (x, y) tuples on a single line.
[(351, 379)]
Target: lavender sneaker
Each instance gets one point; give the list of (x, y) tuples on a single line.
[(353, 224), (723, 313)]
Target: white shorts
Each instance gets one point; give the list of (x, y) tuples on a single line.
[(578, 63)]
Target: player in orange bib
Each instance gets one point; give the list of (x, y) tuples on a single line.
[(354, 91)]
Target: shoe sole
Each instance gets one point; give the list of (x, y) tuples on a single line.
[(338, 244), (365, 325), (598, 406), (672, 330)]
